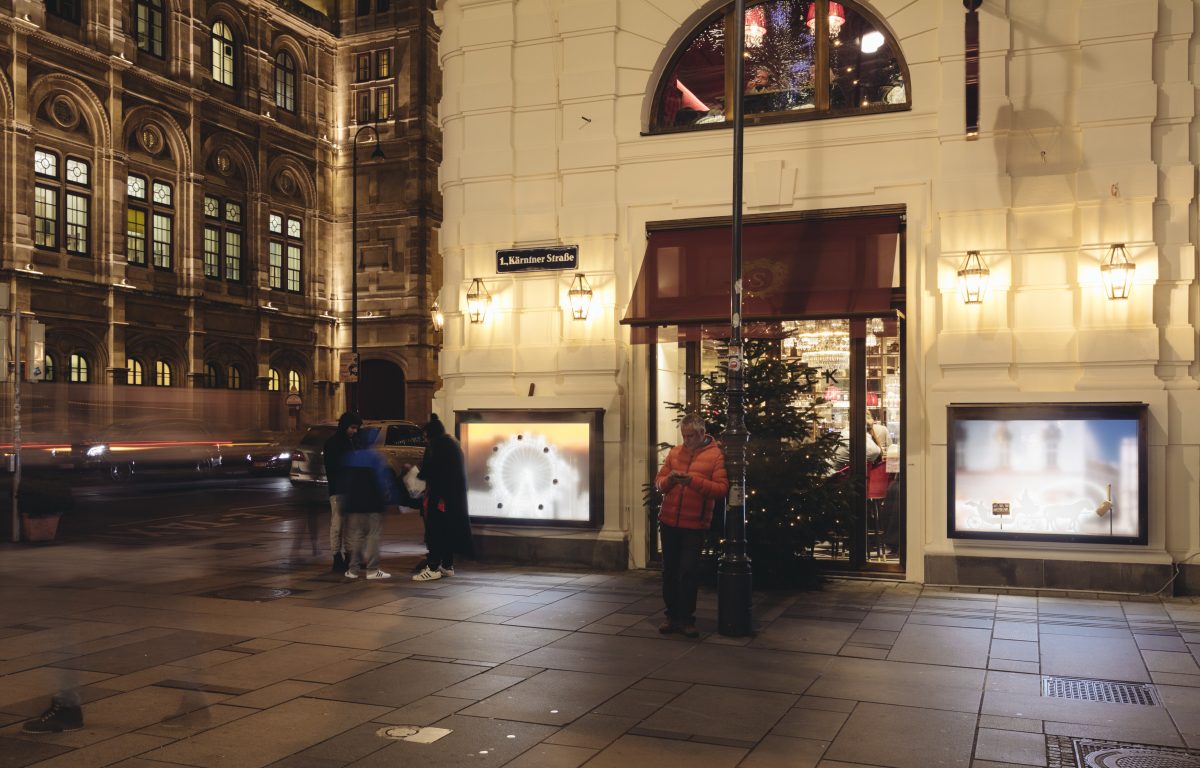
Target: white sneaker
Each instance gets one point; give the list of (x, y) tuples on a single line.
[(377, 574), (427, 575), (351, 574), (445, 571)]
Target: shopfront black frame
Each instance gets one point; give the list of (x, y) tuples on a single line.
[(960, 412)]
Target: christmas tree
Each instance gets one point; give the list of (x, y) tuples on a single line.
[(794, 499)]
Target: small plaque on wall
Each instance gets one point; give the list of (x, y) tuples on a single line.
[(533, 259)]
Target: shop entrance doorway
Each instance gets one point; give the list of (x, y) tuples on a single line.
[(824, 292)]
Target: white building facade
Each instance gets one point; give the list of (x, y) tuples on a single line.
[(555, 135)]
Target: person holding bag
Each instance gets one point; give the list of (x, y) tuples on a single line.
[(447, 524)]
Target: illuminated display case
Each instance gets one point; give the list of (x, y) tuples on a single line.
[(536, 467), (1071, 472)]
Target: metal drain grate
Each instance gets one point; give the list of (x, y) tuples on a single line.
[(1067, 752), (1109, 691)]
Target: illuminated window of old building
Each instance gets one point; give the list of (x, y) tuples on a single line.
[(383, 103), (62, 197), (134, 373), (162, 373), (383, 64), (285, 252), (80, 372), (150, 203), (222, 239), (273, 380), (149, 26), (285, 81), (48, 368), (212, 375), (223, 53), (233, 377), (293, 381)]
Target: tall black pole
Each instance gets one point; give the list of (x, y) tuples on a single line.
[(733, 572), (352, 388)]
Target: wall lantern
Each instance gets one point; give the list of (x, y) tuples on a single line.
[(837, 17), (580, 295), (973, 278), (435, 314), (1117, 272), (479, 301)]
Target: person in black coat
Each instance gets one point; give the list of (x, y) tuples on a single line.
[(447, 525), (335, 450)]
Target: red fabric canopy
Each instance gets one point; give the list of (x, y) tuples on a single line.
[(791, 270)]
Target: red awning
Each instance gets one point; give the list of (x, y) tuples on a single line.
[(791, 270)]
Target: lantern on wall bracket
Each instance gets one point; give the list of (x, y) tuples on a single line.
[(479, 301), (435, 314), (580, 296), (1117, 272), (973, 278)]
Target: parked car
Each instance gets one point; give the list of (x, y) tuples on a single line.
[(124, 450), (401, 442)]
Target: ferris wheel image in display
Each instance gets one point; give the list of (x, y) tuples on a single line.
[(529, 477)]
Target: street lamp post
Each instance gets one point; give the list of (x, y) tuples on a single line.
[(377, 154), (733, 571)]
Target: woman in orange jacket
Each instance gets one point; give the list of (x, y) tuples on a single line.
[(691, 479)]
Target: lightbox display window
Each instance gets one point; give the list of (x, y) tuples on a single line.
[(1048, 472), (538, 467)]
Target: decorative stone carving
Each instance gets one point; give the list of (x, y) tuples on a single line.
[(64, 112)]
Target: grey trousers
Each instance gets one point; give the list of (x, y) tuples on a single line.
[(363, 539), (337, 524)]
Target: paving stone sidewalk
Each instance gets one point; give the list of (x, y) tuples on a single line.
[(238, 652)]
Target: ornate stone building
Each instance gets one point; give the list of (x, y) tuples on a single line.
[(177, 186)]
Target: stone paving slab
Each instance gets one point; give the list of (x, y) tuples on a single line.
[(568, 664)]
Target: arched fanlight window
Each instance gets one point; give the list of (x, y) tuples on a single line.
[(162, 373), (48, 367), (233, 377), (80, 372), (223, 53), (273, 380), (285, 81), (804, 59), (293, 381), (134, 373)]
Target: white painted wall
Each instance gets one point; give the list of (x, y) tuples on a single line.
[(1088, 109)]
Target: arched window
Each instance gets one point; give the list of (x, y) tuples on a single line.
[(150, 201), (285, 81), (293, 381), (62, 202), (803, 59), (162, 373), (48, 368), (273, 380), (233, 377), (285, 250), (223, 56), (80, 372), (150, 26), (134, 374), (212, 375), (222, 238)]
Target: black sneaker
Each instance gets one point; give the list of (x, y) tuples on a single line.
[(339, 563), (57, 719)]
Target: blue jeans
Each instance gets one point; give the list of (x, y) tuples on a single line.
[(681, 572)]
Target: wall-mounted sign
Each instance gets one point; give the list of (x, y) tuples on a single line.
[(531, 259)]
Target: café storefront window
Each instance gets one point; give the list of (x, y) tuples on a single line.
[(824, 305)]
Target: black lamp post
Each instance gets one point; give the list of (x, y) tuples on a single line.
[(376, 154), (733, 571)]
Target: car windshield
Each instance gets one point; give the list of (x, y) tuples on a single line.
[(315, 437), (368, 435)]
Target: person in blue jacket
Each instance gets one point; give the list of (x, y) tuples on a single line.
[(370, 491)]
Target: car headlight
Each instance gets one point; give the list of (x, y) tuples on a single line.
[(284, 455), (96, 450)]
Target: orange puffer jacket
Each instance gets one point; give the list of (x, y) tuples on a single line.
[(691, 505)]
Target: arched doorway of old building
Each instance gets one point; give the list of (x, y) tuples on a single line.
[(381, 390)]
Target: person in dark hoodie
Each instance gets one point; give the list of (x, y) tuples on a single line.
[(370, 490), (447, 526), (336, 448)]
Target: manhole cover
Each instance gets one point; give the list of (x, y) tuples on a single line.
[(1110, 691), (250, 594), (1067, 752), (420, 734)]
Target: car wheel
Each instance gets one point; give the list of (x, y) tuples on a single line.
[(120, 473)]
